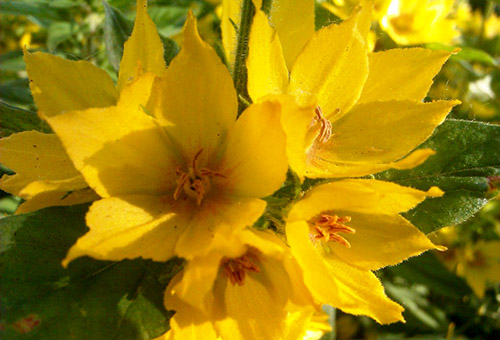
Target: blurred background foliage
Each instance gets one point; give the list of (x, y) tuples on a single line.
[(447, 295)]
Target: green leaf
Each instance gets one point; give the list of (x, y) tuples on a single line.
[(59, 32), (170, 49), (466, 53), (16, 92), (467, 159), (88, 300), (23, 8), (12, 61), (427, 270), (117, 29), (14, 119)]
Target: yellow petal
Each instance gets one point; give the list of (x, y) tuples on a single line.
[(215, 222), (197, 281), (334, 59), (390, 71), (252, 310), (129, 227), (267, 71), (41, 164), (196, 97), (294, 22), (366, 196), (119, 150), (188, 323), (255, 163), (296, 122), (57, 198), (374, 135), (60, 85), (231, 17), (336, 283), (379, 241), (143, 49)]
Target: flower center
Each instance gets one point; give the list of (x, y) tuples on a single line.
[(195, 183), (325, 227), (236, 269), (325, 129)]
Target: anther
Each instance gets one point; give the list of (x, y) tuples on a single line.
[(326, 228), (325, 131), (195, 183), (235, 269)]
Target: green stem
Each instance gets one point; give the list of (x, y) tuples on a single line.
[(240, 69), (266, 6)]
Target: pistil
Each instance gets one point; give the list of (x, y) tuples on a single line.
[(195, 183)]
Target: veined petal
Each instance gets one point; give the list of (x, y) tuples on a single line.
[(374, 135), (255, 163), (365, 196), (119, 150), (196, 98), (143, 50), (294, 22), (267, 71), (57, 198), (231, 17), (334, 59), (129, 227), (334, 282), (60, 85), (390, 71), (380, 241), (214, 223)]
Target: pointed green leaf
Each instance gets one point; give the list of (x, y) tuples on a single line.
[(14, 119), (465, 166), (117, 29), (90, 299)]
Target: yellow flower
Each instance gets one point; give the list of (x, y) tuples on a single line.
[(412, 22), (478, 263), (45, 176), (363, 113), (342, 231), (242, 292), (179, 177)]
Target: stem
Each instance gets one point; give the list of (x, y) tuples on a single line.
[(266, 6), (240, 69)]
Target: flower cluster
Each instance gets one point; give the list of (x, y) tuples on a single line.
[(173, 171)]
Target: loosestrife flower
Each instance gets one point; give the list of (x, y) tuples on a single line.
[(342, 231), (478, 262), (412, 22), (407, 22), (366, 114), (180, 177), (246, 291), (45, 176)]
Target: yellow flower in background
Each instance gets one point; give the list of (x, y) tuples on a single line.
[(413, 22), (478, 263), (342, 231), (361, 114), (473, 22), (244, 291), (45, 176), (181, 175), (344, 8)]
